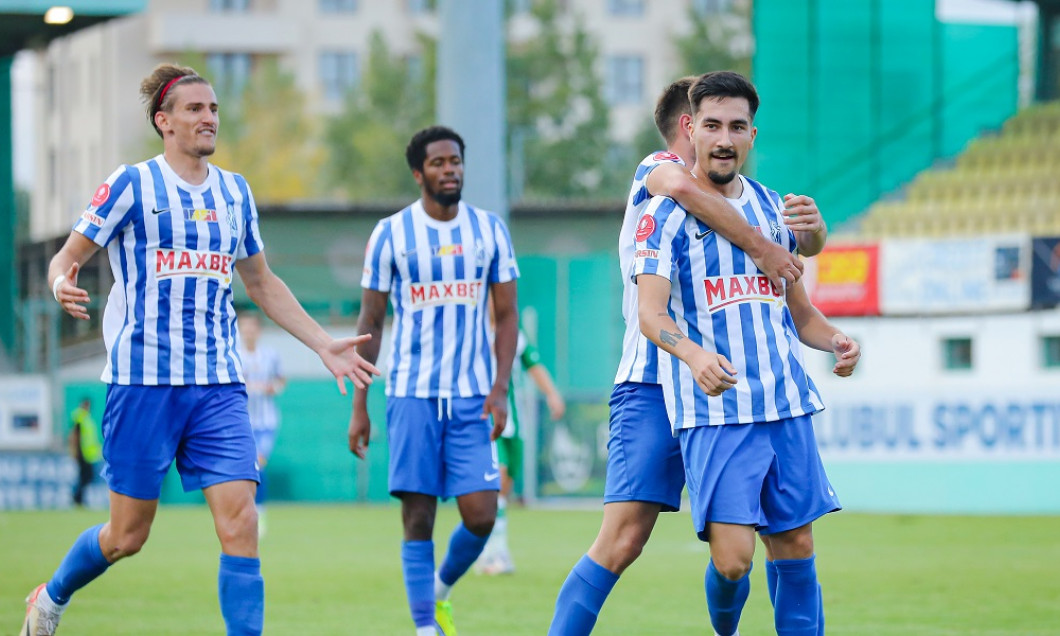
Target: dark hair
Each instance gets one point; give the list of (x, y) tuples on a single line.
[(157, 88), (416, 152), (720, 84), (671, 105)]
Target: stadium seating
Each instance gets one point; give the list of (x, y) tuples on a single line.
[(1001, 183)]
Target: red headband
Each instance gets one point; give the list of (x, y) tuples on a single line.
[(162, 95)]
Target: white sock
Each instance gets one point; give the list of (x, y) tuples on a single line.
[(441, 590), (45, 603), (426, 631)]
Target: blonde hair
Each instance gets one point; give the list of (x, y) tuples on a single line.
[(157, 88)]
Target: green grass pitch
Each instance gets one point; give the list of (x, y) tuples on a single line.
[(335, 570)]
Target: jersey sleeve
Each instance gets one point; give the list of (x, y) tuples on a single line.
[(503, 267), (379, 258), (110, 209), (658, 233), (529, 356), (250, 243)]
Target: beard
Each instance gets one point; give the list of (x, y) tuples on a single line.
[(721, 178), (444, 199)]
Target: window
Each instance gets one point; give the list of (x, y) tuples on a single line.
[(338, 73), (422, 6), (625, 79), (625, 7), (711, 7), (957, 354), (338, 6), (1051, 352), (229, 5), (228, 71)]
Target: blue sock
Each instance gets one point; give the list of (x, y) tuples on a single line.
[(581, 597), (725, 599), (83, 563), (771, 582), (464, 548), (820, 611), (798, 607), (417, 564), (241, 590)]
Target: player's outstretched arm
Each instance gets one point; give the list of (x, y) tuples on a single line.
[(674, 181), (63, 271), (370, 323), (815, 331), (712, 371), (506, 341), (802, 217), (557, 407), (270, 293)]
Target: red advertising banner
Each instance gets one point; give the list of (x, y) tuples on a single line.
[(843, 280)]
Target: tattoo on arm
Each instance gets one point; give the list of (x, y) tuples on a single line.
[(670, 338)]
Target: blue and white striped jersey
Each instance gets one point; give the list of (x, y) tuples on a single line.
[(262, 368), (720, 299), (438, 275), (640, 356), (172, 245)]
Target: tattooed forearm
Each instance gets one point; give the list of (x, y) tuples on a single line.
[(670, 337)]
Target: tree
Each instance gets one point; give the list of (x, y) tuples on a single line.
[(266, 136), (557, 116), (366, 141), (717, 41)]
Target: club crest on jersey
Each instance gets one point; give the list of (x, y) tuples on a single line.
[(200, 214), (233, 220), (665, 156), (101, 195), (645, 227), (481, 257), (774, 230), (725, 291), (170, 263), (444, 293), (447, 250)]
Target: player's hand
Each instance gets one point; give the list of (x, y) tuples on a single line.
[(556, 407), (801, 214), (71, 297), (778, 264), (359, 432), (496, 404), (712, 372), (847, 354), (344, 362)]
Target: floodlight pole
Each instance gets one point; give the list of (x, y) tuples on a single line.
[(471, 94)]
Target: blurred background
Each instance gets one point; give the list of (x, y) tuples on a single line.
[(926, 130)]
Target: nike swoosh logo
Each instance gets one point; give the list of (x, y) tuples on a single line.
[(156, 211), (702, 235), (491, 476)]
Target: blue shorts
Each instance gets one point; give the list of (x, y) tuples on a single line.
[(264, 441), (205, 428), (440, 447), (643, 456), (768, 475)]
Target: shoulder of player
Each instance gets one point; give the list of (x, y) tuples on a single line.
[(761, 190)]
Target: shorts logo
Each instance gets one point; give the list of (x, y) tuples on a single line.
[(666, 156), (94, 219), (444, 293), (645, 227), (172, 263), (209, 216), (725, 291), (448, 250), (101, 195)]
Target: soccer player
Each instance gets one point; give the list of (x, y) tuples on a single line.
[(265, 380), (85, 448), (437, 261), (644, 471), (496, 557), (177, 229), (735, 385)]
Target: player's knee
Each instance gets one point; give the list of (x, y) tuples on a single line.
[(126, 544), (733, 567), (627, 548), (797, 544), (480, 527), (239, 527)]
